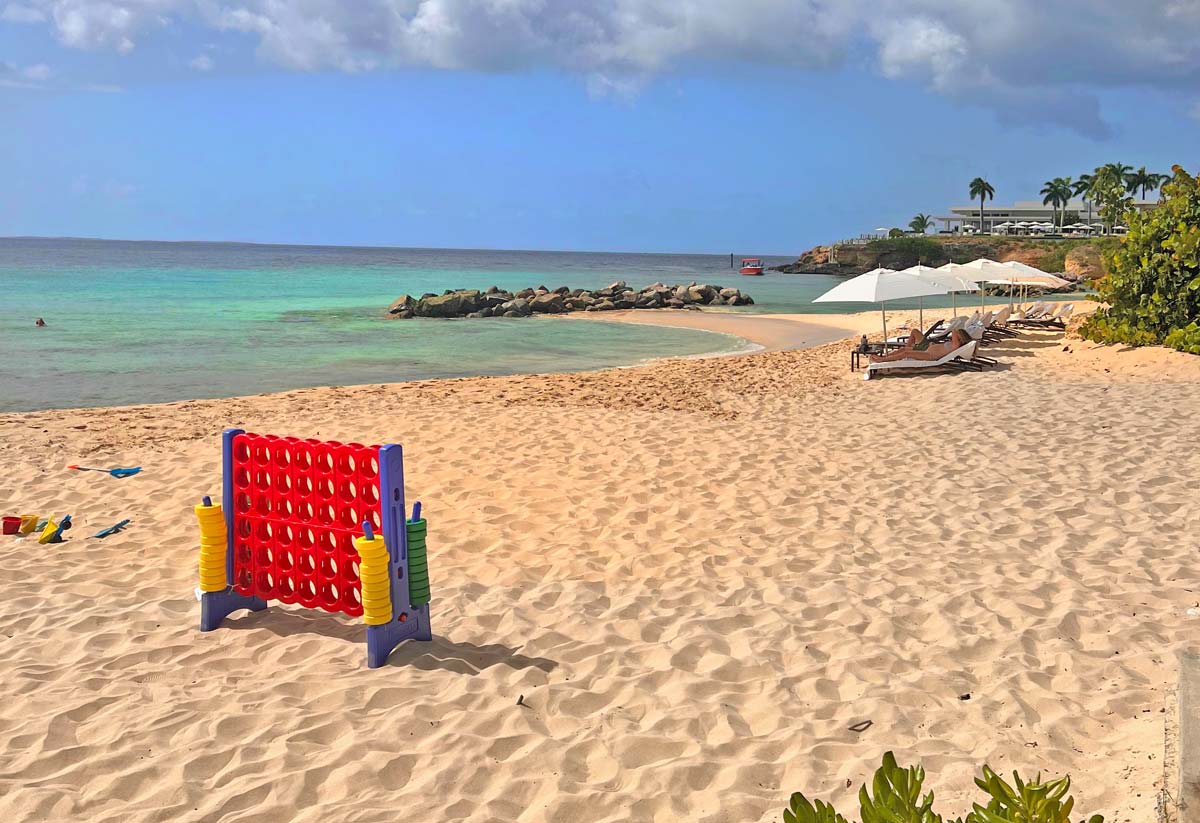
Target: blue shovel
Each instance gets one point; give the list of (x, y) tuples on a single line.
[(111, 529), (113, 472)]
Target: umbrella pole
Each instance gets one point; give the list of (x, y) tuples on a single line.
[(883, 312), (921, 312)]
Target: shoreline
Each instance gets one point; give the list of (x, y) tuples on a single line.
[(758, 333), (768, 332)]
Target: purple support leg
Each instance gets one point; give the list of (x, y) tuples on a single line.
[(408, 622), (216, 606)]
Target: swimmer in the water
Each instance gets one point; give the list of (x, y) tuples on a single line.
[(40, 322)]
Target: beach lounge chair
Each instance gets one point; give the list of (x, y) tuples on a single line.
[(978, 325), (1051, 320), (997, 327), (941, 332), (1038, 309), (932, 356)]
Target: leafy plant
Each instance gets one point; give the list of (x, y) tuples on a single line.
[(1153, 285), (1186, 339), (924, 247), (921, 223), (1035, 802), (895, 797), (1108, 191)]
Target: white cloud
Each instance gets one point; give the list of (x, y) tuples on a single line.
[(24, 77), (20, 13), (201, 62), (1028, 59), (37, 72)]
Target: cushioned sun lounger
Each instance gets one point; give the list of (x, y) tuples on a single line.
[(910, 364)]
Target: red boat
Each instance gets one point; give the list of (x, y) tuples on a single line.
[(752, 265)]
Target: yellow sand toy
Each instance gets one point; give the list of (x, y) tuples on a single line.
[(52, 533)]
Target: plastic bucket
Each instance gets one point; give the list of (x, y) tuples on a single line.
[(12, 525), (28, 523)]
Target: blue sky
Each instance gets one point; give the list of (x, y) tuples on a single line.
[(716, 128)]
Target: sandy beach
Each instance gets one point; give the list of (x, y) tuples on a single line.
[(695, 575)]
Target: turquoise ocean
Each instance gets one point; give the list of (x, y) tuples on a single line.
[(136, 322)]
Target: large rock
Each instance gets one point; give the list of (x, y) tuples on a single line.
[(454, 304), (548, 303), (404, 303), (517, 307), (1084, 263)]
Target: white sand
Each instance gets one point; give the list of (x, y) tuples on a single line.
[(698, 574)]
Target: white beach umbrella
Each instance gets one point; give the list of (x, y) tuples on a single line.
[(929, 274), (945, 276), (982, 270), (1031, 276), (880, 286), (1025, 275)]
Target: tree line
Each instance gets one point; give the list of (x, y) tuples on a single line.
[(1109, 190)]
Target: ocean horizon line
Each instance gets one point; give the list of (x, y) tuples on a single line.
[(383, 247)]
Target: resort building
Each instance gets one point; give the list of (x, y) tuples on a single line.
[(1028, 217)]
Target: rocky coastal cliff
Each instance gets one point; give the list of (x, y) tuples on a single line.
[(496, 302), (1076, 260)]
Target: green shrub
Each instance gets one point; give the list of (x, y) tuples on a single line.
[(895, 797), (1153, 281), (925, 249), (1186, 339)]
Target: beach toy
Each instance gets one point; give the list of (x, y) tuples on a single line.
[(418, 565), (28, 523), (319, 524), (114, 472), (52, 533), (12, 525), (111, 530), (375, 576), (213, 544)]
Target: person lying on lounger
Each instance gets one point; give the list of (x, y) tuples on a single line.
[(918, 348)]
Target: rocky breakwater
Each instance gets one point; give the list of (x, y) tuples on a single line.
[(495, 302)]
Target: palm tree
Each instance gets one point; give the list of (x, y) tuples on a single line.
[(921, 223), (1119, 171), (983, 190), (1057, 193), (1083, 186), (1144, 181)]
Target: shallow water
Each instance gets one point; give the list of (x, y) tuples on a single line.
[(131, 322)]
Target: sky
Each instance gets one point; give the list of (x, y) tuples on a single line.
[(745, 126)]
